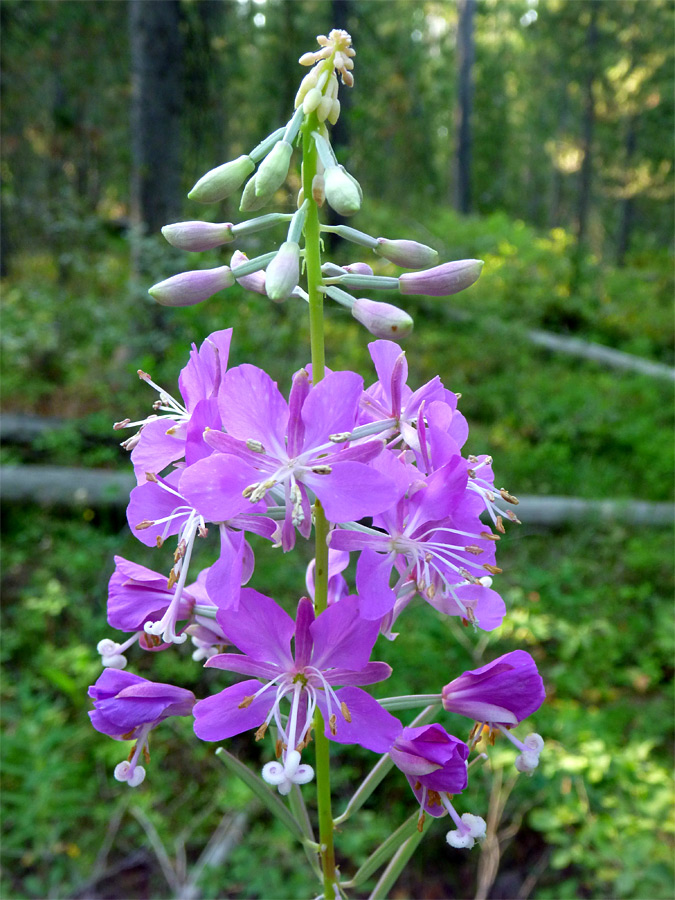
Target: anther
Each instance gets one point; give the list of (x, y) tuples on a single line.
[(345, 711), (117, 426), (420, 822), (278, 747), (332, 724), (146, 523), (488, 536), (255, 446), (493, 570), (173, 578), (322, 470), (508, 497), (476, 551), (150, 476), (246, 702), (260, 733), (339, 437)]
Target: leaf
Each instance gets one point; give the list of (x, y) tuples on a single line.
[(260, 789), (385, 850)]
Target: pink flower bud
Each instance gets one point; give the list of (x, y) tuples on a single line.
[(189, 288), (198, 236), (407, 253), (441, 281), (283, 272), (222, 181), (254, 282), (382, 319), (358, 268)]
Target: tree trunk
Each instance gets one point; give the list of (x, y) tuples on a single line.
[(465, 58), (588, 126), (155, 112), (628, 203)]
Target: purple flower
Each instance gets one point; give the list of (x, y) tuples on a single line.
[(395, 406), (428, 537), (434, 762), (178, 429), (332, 649), (284, 450), (501, 694), (505, 691), (137, 595), (128, 707)]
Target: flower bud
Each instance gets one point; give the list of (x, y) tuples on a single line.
[(318, 190), (273, 170), (254, 282), (198, 236), (249, 200), (406, 253), (382, 319), (222, 181), (324, 108), (358, 268), (283, 272), (311, 100), (441, 281), (334, 113), (189, 288), (343, 192)]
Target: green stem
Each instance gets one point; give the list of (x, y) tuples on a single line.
[(316, 337)]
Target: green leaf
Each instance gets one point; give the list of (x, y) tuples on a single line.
[(385, 850), (260, 789), (398, 863)]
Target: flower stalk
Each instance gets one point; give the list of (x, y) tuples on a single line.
[(318, 356)]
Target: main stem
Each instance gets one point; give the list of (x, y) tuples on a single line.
[(316, 337)]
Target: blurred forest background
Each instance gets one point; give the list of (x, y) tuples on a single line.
[(534, 135)]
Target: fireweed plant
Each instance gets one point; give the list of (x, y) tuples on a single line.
[(376, 473)]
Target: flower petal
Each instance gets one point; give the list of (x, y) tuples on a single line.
[(221, 716)]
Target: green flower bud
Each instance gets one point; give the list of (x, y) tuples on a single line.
[(273, 169), (222, 181), (283, 273), (343, 192)]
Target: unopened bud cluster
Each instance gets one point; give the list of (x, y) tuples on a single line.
[(260, 174)]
